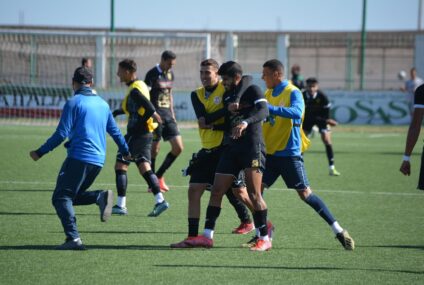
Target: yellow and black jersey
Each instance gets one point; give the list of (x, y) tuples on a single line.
[(206, 102), (137, 106)]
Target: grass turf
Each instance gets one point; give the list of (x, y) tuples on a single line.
[(380, 208)]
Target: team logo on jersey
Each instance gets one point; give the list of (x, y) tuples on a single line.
[(217, 100), (255, 163)]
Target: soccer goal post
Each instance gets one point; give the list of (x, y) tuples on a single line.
[(36, 66)]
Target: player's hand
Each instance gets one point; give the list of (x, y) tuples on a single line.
[(237, 131), (33, 154), (128, 157), (331, 122), (202, 123), (157, 117), (405, 168), (117, 112)]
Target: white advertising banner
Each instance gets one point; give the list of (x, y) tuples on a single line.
[(348, 107), (370, 107)]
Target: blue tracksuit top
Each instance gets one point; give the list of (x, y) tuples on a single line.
[(85, 120)]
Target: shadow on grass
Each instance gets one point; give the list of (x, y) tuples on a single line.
[(131, 232), (401, 246), (294, 268), (88, 247), (26, 214), (28, 190), (38, 214)]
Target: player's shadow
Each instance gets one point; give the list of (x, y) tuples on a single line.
[(291, 268), (401, 246), (26, 214), (38, 214), (88, 247), (131, 232), (28, 190)]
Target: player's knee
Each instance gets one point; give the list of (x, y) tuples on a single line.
[(177, 149), (194, 194), (239, 192), (304, 194), (255, 197)]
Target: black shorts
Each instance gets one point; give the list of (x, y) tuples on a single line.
[(204, 165), (421, 179), (291, 168), (140, 148), (236, 158), (167, 130), (307, 126)]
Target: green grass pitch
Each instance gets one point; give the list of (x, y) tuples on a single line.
[(379, 207)]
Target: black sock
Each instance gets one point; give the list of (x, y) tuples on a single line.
[(121, 182), (193, 227), (240, 208), (169, 159), (152, 181), (212, 213), (152, 164), (260, 221), (330, 154)]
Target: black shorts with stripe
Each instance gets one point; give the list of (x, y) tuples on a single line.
[(204, 165), (167, 130), (236, 158), (140, 148)]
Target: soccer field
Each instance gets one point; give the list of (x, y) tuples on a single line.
[(379, 207)]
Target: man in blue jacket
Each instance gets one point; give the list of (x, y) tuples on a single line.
[(85, 120)]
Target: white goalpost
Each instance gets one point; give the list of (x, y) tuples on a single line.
[(36, 67)]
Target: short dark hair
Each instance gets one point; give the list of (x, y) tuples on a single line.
[(210, 62), (311, 81), (230, 68), (128, 64), (168, 55), (82, 75), (274, 65), (84, 60)]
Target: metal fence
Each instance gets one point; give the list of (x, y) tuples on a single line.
[(334, 58), (48, 57)]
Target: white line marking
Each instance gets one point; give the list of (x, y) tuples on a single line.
[(286, 190)]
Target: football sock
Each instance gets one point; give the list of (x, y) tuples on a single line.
[(193, 227), (122, 201), (208, 233), (336, 228), (159, 198), (330, 154), (212, 213), (242, 212), (260, 222), (169, 159), (152, 181), (152, 164), (319, 206), (121, 182)]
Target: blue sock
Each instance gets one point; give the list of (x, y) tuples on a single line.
[(319, 206)]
